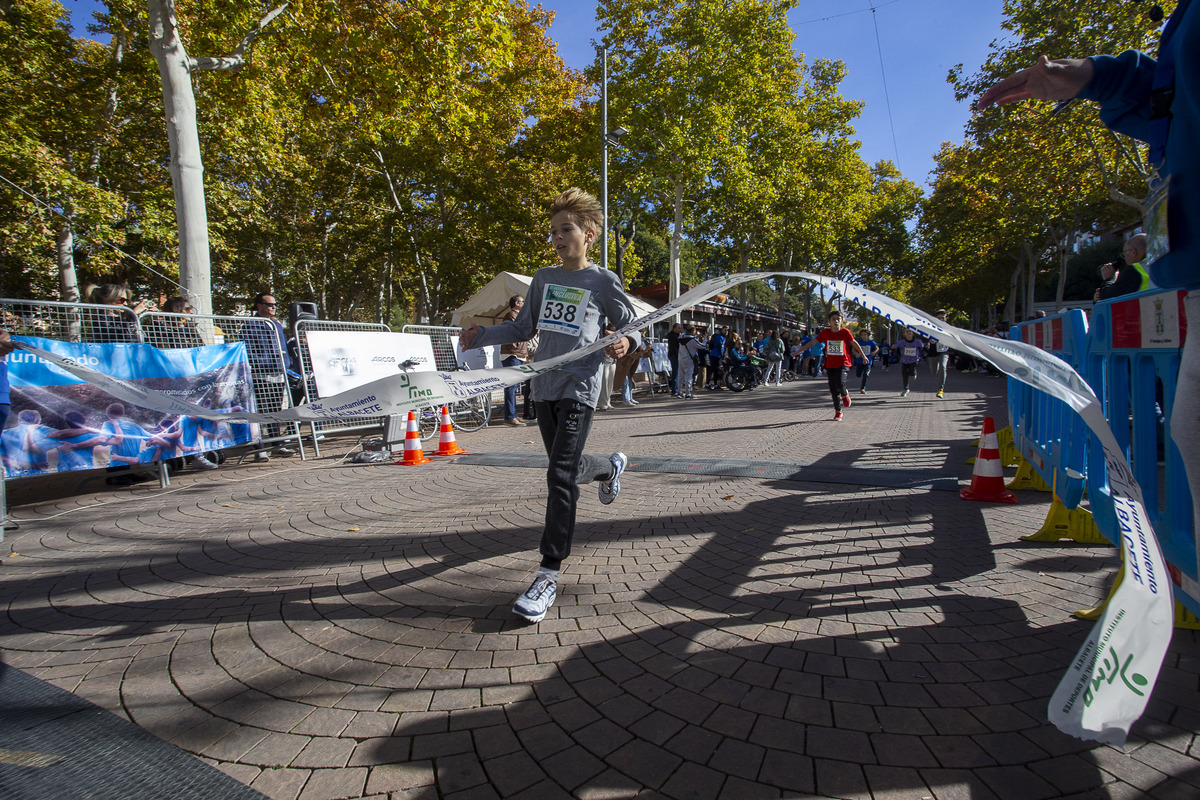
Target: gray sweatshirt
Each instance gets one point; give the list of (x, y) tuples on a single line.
[(564, 320)]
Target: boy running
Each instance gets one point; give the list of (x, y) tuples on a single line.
[(838, 342), (567, 306)]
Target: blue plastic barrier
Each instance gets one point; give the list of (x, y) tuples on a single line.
[(1132, 364), (1046, 432)]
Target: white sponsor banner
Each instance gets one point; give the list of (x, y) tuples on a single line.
[(1107, 685), (343, 360)]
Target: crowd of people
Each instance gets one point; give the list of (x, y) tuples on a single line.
[(699, 361)]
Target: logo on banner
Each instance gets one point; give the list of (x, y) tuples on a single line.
[(454, 386), (1152, 321)]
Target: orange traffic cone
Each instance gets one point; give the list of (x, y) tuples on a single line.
[(987, 479), (447, 446), (413, 454)]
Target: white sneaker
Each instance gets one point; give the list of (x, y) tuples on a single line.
[(200, 461), (904, 393), (537, 599), (609, 489), (262, 456)]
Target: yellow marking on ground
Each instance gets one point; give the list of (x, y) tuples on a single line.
[(25, 758)]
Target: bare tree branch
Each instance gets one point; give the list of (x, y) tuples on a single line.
[(237, 59)]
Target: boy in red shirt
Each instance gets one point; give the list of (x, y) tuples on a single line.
[(838, 343)]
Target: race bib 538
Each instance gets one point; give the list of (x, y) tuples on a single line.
[(563, 309)]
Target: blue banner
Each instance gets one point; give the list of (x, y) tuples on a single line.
[(60, 423)]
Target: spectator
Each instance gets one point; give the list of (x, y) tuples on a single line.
[(702, 364), (673, 357), (690, 353), (775, 351), (115, 326), (716, 353), (1131, 276), (513, 354), (626, 367), (270, 364), (168, 333), (1108, 281)]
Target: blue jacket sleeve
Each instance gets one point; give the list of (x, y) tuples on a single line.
[(1122, 86)]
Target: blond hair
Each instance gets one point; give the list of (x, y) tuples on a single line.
[(583, 208)]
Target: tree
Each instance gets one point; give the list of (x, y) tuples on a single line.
[(187, 167), (53, 112), (687, 80)]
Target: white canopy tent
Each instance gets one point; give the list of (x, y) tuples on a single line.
[(487, 306)]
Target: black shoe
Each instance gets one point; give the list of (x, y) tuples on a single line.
[(120, 480)]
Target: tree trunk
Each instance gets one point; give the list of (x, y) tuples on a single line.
[(787, 267), (676, 241), (1031, 278), (68, 282), (187, 167), (808, 308), (1065, 243), (622, 246), (1014, 285), (743, 266)]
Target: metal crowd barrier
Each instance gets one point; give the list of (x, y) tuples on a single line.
[(268, 373), (305, 368), (1047, 433), (445, 351), (105, 324), (444, 341), (70, 322)]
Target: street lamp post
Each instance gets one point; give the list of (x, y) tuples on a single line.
[(607, 139), (604, 156)]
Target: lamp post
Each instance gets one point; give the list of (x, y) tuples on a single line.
[(607, 139), (604, 156)]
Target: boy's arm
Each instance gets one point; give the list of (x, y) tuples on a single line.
[(619, 312), (521, 329)]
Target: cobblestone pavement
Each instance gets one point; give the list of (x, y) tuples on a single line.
[(322, 630)]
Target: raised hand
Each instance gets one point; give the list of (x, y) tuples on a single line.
[(1049, 79)]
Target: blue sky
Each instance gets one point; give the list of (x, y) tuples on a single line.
[(919, 41)]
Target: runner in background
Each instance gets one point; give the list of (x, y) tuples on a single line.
[(838, 343), (909, 347), (862, 367), (940, 353)]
